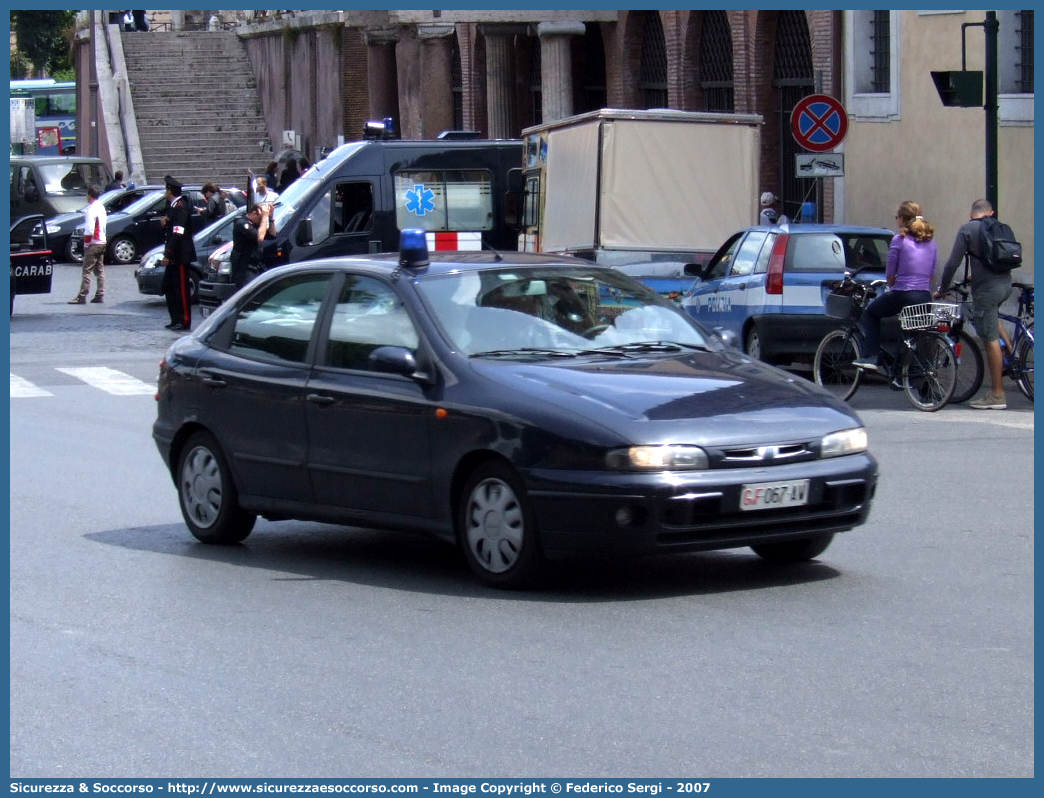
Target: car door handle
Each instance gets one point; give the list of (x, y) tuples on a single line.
[(319, 399), (212, 382), (742, 286)]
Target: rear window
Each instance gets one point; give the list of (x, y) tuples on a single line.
[(837, 252)]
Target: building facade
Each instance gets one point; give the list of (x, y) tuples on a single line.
[(324, 74), (904, 144)]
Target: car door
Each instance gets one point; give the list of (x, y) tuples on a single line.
[(342, 221), (368, 430), (256, 371), (702, 300), (741, 292)]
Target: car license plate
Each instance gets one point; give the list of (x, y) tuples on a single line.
[(767, 495)]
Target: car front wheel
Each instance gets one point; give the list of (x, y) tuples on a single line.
[(123, 250), (208, 497), (794, 550), (496, 529)]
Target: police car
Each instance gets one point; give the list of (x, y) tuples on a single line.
[(768, 284)]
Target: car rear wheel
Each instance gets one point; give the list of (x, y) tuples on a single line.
[(71, 255), (208, 497), (123, 250), (496, 529), (794, 550)]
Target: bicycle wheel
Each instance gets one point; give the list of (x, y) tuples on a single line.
[(832, 366), (970, 369), (929, 371), (1024, 366)]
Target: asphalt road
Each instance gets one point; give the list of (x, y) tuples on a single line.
[(313, 650)]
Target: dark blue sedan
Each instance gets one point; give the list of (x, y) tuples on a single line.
[(523, 406)]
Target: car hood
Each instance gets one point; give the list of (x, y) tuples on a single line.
[(705, 397), (66, 221)]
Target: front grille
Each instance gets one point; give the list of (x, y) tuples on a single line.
[(767, 455)]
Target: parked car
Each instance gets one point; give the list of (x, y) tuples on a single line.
[(50, 185), (768, 284), (139, 226), (150, 273), (524, 406), (60, 228), (32, 262)]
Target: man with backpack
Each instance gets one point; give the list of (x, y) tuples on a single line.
[(980, 242)]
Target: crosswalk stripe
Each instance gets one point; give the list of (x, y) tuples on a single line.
[(110, 380), (23, 389)]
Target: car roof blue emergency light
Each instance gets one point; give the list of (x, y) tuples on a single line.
[(413, 248)]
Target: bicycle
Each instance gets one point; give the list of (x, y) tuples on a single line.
[(1017, 350), (924, 364)]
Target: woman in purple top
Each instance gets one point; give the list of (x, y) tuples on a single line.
[(911, 265)]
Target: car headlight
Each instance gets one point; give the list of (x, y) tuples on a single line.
[(152, 261), (847, 441), (658, 458), (53, 229)]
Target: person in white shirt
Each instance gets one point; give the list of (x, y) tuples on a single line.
[(94, 242), (769, 214), (263, 194)]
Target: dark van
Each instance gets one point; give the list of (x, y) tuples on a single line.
[(463, 191), (50, 185)]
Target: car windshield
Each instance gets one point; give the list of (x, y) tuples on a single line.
[(225, 221), (72, 179), (301, 189), (143, 203), (567, 310)]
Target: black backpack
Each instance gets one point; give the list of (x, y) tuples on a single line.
[(1000, 251)]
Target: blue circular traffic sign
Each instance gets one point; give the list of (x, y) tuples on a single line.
[(818, 122)]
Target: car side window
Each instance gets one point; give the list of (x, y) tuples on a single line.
[(816, 252), (277, 322), (761, 266), (722, 262), (368, 315), (747, 254)]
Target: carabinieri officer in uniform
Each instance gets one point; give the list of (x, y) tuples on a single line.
[(178, 253)]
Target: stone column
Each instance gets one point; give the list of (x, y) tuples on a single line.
[(500, 80), (556, 67), (436, 99)]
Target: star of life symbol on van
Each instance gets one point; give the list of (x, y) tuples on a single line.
[(420, 200)]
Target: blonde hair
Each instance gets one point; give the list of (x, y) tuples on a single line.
[(913, 223)]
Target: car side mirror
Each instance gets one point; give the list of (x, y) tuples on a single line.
[(304, 232), (695, 270), (397, 360)]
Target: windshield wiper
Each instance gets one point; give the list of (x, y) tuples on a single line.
[(525, 351), (647, 346)]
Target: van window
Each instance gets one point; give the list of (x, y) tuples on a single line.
[(345, 208), (531, 207), (438, 200)]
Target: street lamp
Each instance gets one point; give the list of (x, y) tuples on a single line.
[(964, 90)]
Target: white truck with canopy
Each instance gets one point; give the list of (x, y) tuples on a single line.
[(644, 191)]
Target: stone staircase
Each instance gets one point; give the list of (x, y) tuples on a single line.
[(197, 107)]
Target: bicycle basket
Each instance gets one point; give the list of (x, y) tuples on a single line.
[(841, 306), (928, 315)]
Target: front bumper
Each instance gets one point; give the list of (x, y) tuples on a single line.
[(585, 512), (213, 293)]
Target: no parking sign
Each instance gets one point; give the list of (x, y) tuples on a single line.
[(819, 122)]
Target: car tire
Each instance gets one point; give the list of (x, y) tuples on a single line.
[(794, 550), (193, 281), (497, 530), (207, 493), (123, 250), (70, 253)]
